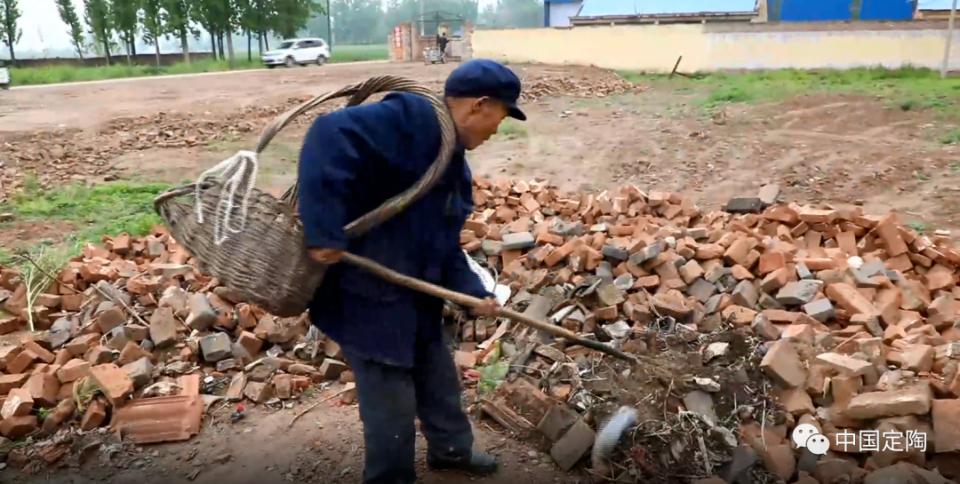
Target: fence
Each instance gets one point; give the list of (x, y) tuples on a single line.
[(711, 47)]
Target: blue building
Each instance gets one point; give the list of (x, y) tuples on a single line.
[(839, 10)]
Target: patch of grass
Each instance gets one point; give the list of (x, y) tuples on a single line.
[(907, 88), (951, 138), (921, 176), (27, 76), (511, 129), (108, 209), (57, 74), (955, 167), (355, 53), (918, 226)]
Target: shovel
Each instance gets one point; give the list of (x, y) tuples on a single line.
[(472, 302)]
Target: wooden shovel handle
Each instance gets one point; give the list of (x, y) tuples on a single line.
[(471, 302)]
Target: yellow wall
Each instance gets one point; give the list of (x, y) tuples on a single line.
[(655, 48)]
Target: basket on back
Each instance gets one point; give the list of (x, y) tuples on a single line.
[(251, 241)]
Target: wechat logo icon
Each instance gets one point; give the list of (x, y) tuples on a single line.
[(807, 436)]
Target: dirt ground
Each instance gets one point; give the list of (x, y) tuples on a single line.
[(819, 148), (829, 148)]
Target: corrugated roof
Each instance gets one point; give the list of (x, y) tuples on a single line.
[(599, 8), (934, 4)]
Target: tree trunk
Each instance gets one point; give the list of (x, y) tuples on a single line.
[(213, 44), (266, 41), (129, 52), (106, 50), (230, 56), (156, 45), (184, 46), (223, 55), (13, 56), (260, 42), (133, 44), (249, 47)]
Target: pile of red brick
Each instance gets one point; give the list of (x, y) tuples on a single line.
[(121, 338), (856, 314)]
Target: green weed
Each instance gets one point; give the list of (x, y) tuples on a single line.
[(907, 88), (918, 226), (951, 138), (511, 129), (108, 209)]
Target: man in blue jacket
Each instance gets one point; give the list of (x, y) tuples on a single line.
[(352, 161)]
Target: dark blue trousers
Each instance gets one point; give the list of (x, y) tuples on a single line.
[(391, 397)]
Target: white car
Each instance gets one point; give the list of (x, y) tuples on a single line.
[(4, 76), (293, 52)]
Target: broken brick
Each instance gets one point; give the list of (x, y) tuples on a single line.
[(782, 363), (114, 382)]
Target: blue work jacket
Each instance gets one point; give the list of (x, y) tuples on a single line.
[(352, 161)]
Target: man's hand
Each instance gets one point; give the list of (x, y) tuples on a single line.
[(325, 256), (488, 308)]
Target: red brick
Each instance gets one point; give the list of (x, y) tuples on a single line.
[(114, 382), (51, 301), (43, 388), (111, 318), (477, 227), (9, 324), (79, 345), (782, 363), (848, 243), (549, 238), (848, 298), (132, 352), (945, 415), (900, 263), (19, 402), (647, 282), (250, 342), (940, 277), (771, 261), (41, 352), (775, 280), (741, 273), (73, 370), (94, 416), (11, 381), (18, 427), (23, 361), (691, 271), (738, 250), (887, 230), (71, 302), (608, 313)]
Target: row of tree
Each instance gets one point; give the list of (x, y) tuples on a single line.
[(370, 21), (107, 21)]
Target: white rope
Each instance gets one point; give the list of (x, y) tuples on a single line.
[(236, 174)]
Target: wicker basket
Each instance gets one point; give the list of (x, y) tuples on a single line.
[(265, 263)]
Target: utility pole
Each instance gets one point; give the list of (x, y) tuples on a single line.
[(329, 28), (946, 50)]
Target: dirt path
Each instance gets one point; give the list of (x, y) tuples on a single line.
[(326, 445)]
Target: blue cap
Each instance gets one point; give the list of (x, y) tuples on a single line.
[(486, 78)]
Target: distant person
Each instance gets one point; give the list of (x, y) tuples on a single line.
[(442, 42)]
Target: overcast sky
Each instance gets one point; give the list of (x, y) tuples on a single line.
[(45, 35)]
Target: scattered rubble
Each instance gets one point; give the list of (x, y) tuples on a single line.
[(746, 325)]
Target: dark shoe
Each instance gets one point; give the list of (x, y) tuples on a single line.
[(477, 463)]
